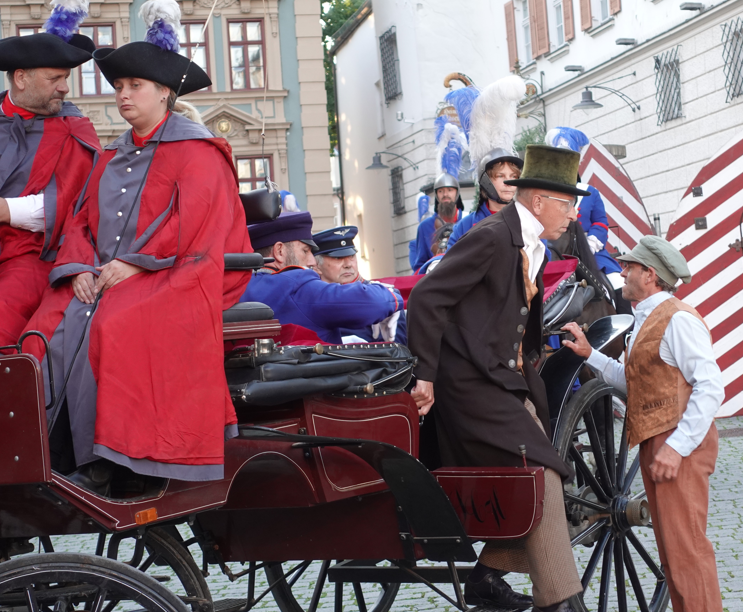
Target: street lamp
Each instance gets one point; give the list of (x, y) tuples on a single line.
[(377, 161), (587, 102)]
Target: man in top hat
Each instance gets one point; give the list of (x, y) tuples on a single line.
[(296, 293), (46, 154), (476, 328), (674, 389), (336, 262)]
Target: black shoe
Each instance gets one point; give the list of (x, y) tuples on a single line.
[(493, 591), (95, 477), (561, 607)]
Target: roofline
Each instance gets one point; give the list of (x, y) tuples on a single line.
[(347, 29)]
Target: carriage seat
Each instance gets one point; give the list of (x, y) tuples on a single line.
[(244, 312)]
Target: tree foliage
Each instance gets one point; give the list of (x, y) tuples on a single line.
[(334, 15)]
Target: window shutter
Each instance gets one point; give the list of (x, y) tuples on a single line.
[(540, 34), (615, 6), (513, 55), (585, 15), (567, 19)]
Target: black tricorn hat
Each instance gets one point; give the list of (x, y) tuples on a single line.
[(144, 60), (44, 51), (550, 168)]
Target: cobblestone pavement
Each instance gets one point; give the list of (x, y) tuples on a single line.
[(725, 529)]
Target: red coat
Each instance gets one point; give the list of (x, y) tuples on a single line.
[(155, 341)]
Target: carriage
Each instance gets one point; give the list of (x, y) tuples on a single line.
[(322, 483)]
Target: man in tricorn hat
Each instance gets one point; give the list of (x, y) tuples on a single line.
[(475, 324), (46, 154), (674, 389), (336, 262), (296, 293)]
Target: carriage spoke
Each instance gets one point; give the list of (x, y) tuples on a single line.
[(640, 495), (586, 503), (588, 475), (338, 596), (594, 560), (645, 556), (148, 562), (598, 453), (31, 602), (359, 597), (632, 573), (611, 460), (619, 574), (302, 567), (606, 577), (111, 605), (321, 577), (99, 599), (631, 473), (623, 453)]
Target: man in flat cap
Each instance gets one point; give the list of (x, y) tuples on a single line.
[(336, 262), (296, 293), (46, 154), (475, 324), (674, 389)]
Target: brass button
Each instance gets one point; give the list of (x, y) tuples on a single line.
[(515, 346), (524, 310), (520, 328), (511, 363)]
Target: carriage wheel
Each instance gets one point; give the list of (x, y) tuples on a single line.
[(69, 582), (168, 561), (367, 597), (608, 517)]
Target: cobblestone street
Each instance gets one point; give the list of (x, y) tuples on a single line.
[(725, 530)]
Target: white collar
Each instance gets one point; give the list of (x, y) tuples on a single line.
[(644, 308), (531, 228)]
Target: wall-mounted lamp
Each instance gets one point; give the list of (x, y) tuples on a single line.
[(400, 116), (586, 96), (574, 68), (377, 161)]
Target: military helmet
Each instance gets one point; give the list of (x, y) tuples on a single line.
[(445, 180), (488, 160)]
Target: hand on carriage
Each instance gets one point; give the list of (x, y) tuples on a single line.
[(84, 287), (113, 273), (422, 395), (665, 465), (580, 346)]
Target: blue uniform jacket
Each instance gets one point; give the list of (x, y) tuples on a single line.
[(465, 224), (592, 217), (298, 296), (426, 230)]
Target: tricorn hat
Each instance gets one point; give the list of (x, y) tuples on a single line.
[(550, 168), (156, 58)]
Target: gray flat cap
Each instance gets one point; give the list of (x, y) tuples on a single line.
[(667, 261)]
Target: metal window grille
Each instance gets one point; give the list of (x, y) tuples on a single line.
[(668, 86), (390, 76), (398, 191), (732, 57)]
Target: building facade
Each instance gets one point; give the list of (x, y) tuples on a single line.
[(264, 58)]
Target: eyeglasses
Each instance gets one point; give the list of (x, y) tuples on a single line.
[(566, 204)]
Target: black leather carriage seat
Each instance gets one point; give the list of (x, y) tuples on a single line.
[(244, 312)]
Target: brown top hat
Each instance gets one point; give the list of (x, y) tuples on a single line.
[(550, 168)]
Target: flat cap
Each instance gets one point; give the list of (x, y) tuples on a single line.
[(287, 227), (667, 261), (336, 242)]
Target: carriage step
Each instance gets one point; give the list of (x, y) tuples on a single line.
[(230, 605), (346, 572)]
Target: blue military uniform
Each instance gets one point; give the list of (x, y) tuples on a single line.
[(426, 230), (592, 217), (464, 225)]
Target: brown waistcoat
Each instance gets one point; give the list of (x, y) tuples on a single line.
[(657, 393)]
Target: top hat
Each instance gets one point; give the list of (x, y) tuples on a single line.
[(550, 168), (287, 227), (336, 242), (44, 51)]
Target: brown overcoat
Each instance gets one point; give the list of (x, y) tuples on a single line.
[(466, 321)]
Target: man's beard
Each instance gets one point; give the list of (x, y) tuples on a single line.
[(42, 105), (446, 209), (291, 256)]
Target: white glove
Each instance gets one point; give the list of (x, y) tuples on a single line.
[(386, 328), (595, 244)]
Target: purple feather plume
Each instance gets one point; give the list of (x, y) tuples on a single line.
[(163, 35), (462, 100), (64, 22)]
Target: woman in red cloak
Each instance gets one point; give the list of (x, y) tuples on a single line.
[(147, 389)]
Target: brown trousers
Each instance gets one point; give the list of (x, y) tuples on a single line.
[(545, 554), (679, 513)]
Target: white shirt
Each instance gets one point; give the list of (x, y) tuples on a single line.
[(534, 248), (685, 345), (27, 212)]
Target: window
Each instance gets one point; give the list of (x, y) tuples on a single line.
[(28, 30), (192, 39), (247, 54), (732, 57), (527, 31), (398, 191), (667, 86), (390, 64), (559, 25), (252, 171), (599, 11), (92, 82)]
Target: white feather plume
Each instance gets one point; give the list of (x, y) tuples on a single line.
[(71, 5), (167, 10), (493, 117)]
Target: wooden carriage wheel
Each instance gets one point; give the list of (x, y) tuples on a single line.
[(362, 597), (608, 517)]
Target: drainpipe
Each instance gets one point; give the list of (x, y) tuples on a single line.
[(341, 192)]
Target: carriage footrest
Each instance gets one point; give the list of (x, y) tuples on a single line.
[(352, 571), (230, 605)]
